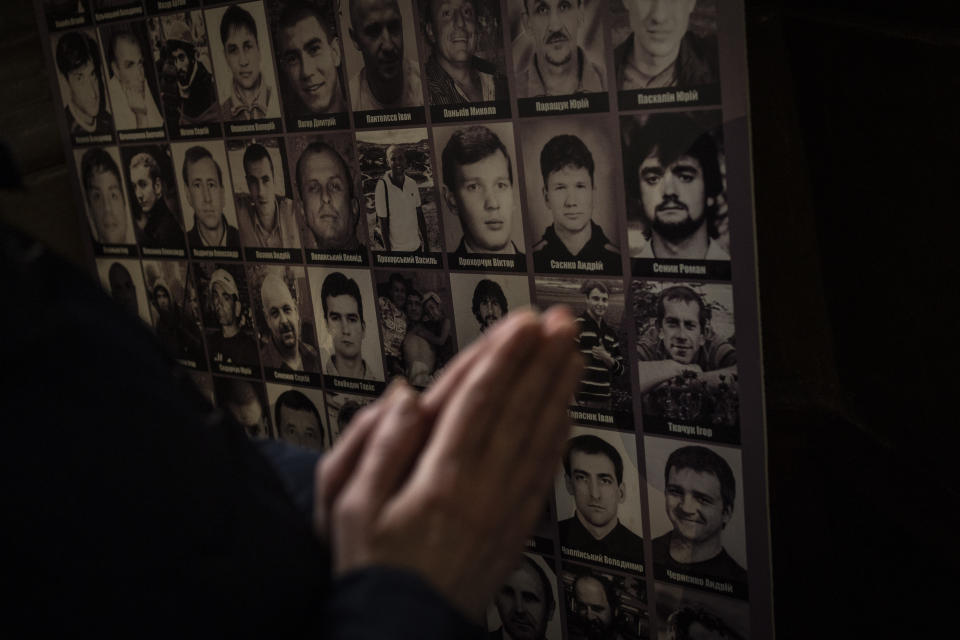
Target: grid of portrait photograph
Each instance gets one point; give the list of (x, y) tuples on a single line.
[(305, 199)]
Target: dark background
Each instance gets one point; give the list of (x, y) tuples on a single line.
[(856, 145)]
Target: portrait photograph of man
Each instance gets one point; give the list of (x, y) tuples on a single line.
[(525, 607), (174, 311), (227, 318), (62, 14), (103, 195), (243, 63), (286, 333), (154, 201), (673, 168), (185, 72), (558, 47), (261, 195), (123, 281), (246, 402), (695, 498), (381, 56), (205, 194), (398, 190), (297, 416), (570, 187), (665, 44), (309, 59), (598, 500), (349, 339), (81, 80), (341, 407), (480, 195), (687, 357), (691, 613), (131, 77), (326, 189), (482, 299), (465, 61), (604, 606)]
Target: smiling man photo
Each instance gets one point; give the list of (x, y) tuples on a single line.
[(309, 58)]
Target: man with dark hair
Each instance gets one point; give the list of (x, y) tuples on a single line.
[(455, 74), (696, 623), (298, 421), (331, 211), (343, 315), (525, 604), (265, 218), (78, 61), (593, 476), (203, 181), (247, 406), (392, 303), (178, 336), (684, 345), (661, 51), (250, 99), (157, 225), (600, 346), (593, 608), (229, 344), (388, 79), (122, 288), (559, 66), (566, 166), (309, 59), (284, 349), (699, 492), (345, 414), (478, 189), (396, 198), (132, 99), (489, 303), (194, 99), (103, 192), (672, 170)]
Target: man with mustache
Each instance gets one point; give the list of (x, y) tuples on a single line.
[(699, 492), (309, 59), (593, 476), (284, 348), (265, 218), (331, 211), (250, 98), (593, 609), (78, 61), (489, 303), (387, 79), (157, 224), (102, 189), (525, 604), (455, 74), (130, 94), (672, 169), (683, 346), (343, 315), (559, 66), (194, 98), (203, 180)]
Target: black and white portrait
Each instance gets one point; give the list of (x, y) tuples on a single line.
[(123, 281), (104, 196), (569, 170), (604, 605), (695, 495), (245, 401), (690, 613), (175, 310), (227, 318), (526, 605), (341, 408), (154, 200), (81, 78), (298, 416), (480, 300), (131, 78), (206, 194), (286, 333)]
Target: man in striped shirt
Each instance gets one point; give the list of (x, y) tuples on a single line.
[(600, 347)]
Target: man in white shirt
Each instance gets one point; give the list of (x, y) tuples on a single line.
[(399, 209)]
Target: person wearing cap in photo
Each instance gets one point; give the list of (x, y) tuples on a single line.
[(173, 332), (196, 96), (229, 344)]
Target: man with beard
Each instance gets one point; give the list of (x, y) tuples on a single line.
[(489, 303), (394, 322), (683, 346), (661, 51), (250, 98), (566, 166), (203, 180), (343, 315), (103, 192), (298, 421), (600, 346), (593, 476), (157, 225), (593, 609), (672, 169), (265, 218), (246, 404), (195, 100), (133, 103), (284, 349), (525, 604), (455, 74), (398, 206), (78, 61), (699, 492), (228, 345), (309, 60), (176, 334), (558, 66), (122, 289), (330, 208), (387, 79)]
